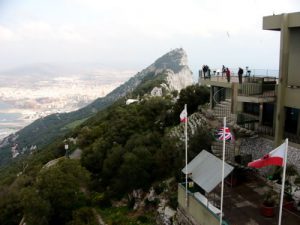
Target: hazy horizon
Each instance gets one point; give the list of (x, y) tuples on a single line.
[(132, 34)]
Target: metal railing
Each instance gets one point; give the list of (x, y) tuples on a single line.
[(199, 212), (265, 130), (263, 89), (292, 137), (253, 76), (250, 89), (248, 72), (268, 131), (264, 86), (214, 96)]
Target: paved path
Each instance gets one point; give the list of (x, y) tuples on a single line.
[(99, 218)]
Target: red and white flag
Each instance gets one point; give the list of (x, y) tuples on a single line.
[(275, 158), (183, 115)]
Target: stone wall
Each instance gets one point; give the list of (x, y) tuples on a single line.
[(258, 147), (182, 219)]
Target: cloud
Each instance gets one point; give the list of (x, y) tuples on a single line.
[(169, 18), (6, 34), (109, 29), (103, 20), (41, 31)]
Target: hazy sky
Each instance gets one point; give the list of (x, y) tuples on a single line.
[(133, 33)]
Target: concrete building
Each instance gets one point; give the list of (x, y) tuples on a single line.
[(287, 117), (267, 105)]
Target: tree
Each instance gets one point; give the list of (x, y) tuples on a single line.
[(112, 162), (36, 210), (10, 207), (62, 186), (193, 96), (202, 139), (168, 158), (135, 171), (84, 216)]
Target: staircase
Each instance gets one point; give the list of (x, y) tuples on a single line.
[(195, 121), (217, 149), (201, 121), (243, 132), (223, 109)]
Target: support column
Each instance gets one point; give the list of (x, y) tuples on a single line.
[(298, 124), (261, 111), (200, 76), (211, 100), (282, 85), (234, 96)]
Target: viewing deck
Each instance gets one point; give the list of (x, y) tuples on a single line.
[(257, 86), (242, 204)]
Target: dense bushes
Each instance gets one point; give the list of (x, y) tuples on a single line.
[(124, 147)]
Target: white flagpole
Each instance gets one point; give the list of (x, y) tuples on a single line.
[(283, 180), (186, 158), (223, 168)]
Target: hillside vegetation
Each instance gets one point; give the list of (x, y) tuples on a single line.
[(124, 147), (45, 130)]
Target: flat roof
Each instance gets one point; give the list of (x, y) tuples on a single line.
[(274, 22), (206, 170)]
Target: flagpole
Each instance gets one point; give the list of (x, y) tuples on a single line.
[(223, 168), (186, 157), (283, 180)]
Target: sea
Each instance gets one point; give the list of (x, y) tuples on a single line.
[(9, 122)]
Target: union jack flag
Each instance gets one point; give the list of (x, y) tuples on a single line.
[(228, 135)]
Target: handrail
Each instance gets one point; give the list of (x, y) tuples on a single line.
[(215, 95), (191, 195), (250, 71)]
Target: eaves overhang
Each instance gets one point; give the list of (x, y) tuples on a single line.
[(274, 22), (216, 83), (256, 99)]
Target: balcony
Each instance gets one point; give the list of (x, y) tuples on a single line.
[(258, 86), (251, 86)]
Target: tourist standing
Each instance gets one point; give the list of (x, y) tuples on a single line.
[(204, 69), (208, 72), (240, 74), (228, 74), (223, 70)]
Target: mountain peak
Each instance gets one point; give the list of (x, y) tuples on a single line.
[(175, 60), (170, 72)]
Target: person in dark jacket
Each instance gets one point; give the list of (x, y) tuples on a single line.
[(223, 70), (240, 74), (205, 70)]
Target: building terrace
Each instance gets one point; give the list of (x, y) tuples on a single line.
[(242, 205)]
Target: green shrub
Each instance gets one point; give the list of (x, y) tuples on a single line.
[(143, 219), (100, 199)]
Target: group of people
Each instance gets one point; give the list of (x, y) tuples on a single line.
[(225, 72)]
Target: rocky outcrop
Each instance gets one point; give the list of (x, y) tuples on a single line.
[(195, 121), (180, 80), (166, 215)]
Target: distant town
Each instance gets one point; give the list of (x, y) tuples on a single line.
[(27, 98)]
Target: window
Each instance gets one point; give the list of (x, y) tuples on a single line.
[(291, 120), (251, 108)]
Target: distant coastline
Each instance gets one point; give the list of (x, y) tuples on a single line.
[(9, 122)]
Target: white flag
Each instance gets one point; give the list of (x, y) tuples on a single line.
[(183, 116)]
